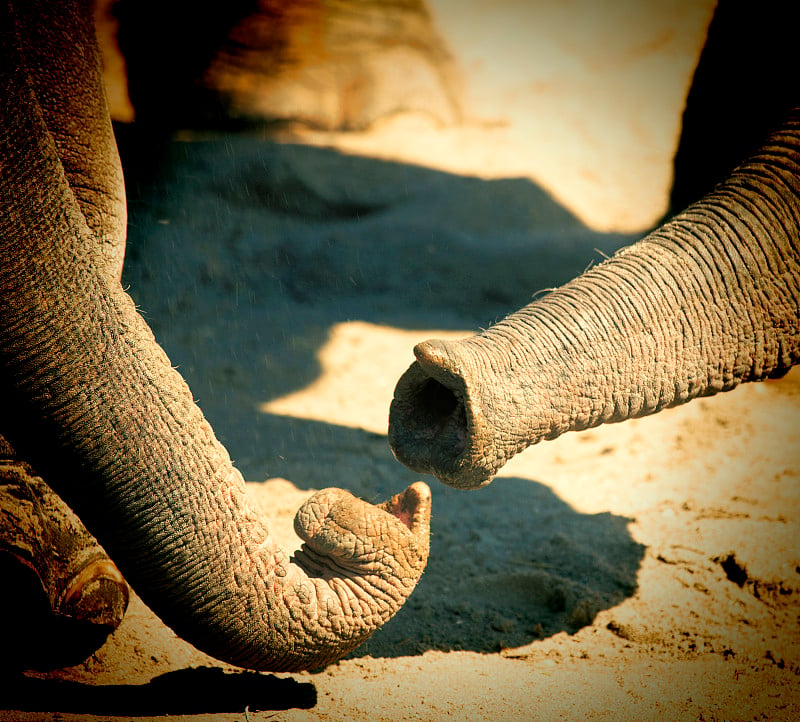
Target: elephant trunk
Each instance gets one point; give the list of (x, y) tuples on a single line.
[(93, 403), (705, 302), (98, 410)]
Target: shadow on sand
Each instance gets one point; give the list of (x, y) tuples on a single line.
[(243, 254), (499, 580), (199, 690)]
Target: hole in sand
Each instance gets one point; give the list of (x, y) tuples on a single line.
[(733, 570)]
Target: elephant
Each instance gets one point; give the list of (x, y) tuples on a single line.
[(92, 405), (324, 64), (704, 302)]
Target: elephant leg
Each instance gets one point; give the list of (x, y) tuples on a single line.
[(64, 595), (328, 64)]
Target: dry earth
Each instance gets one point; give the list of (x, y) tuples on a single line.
[(648, 570)]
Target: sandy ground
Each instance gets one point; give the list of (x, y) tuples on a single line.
[(648, 570)]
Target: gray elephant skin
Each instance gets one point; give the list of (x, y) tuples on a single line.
[(91, 402), (705, 302)]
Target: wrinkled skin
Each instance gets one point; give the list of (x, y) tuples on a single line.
[(707, 301), (92, 403)]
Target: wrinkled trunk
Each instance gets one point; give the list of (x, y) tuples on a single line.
[(93, 403), (708, 301), (72, 110)]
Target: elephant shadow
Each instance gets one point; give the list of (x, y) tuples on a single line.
[(509, 563), (242, 256), (515, 566), (190, 691)]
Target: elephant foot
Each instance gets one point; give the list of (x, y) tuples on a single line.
[(97, 594), (64, 596), (322, 64), (336, 65)]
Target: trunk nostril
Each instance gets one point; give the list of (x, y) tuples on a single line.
[(437, 400), (439, 420), (431, 424)]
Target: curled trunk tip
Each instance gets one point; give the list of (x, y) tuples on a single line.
[(412, 507)]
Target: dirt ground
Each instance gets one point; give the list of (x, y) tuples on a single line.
[(646, 570)]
